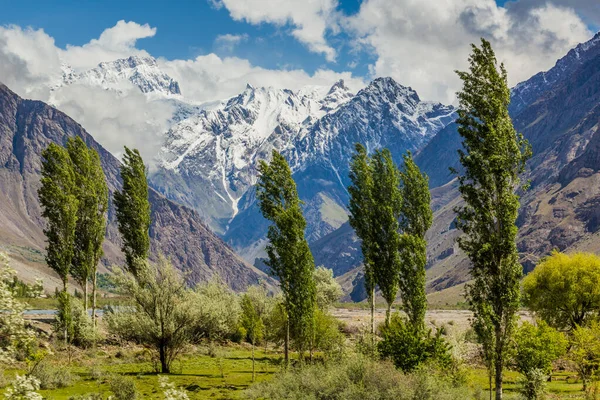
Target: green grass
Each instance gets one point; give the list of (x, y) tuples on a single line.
[(197, 372)]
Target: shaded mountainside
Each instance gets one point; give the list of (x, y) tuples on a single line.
[(26, 128)]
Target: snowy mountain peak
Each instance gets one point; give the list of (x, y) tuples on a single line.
[(119, 75)]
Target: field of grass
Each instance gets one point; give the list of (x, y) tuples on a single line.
[(203, 376)]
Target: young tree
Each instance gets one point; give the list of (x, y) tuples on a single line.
[(493, 157), (584, 351), (133, 210), (92, 192), (415, 221), (536, 348), (162, 314), (59, 201), (328, 289), (387, 199), (564, 289), (253, 324), (289, 256), (217, 310), (361, 207)]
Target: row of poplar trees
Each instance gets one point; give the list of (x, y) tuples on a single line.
[(74, 199)]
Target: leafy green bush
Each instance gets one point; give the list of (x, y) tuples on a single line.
[(532, 386), (328, 337), (218, 310), (356, 378), (51, 377), (123, 388), (408, 348)]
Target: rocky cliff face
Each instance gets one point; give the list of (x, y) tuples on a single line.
[(26, 128)]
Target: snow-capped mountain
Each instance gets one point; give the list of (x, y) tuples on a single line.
[(216, 152), (142, 72), (384, 114)]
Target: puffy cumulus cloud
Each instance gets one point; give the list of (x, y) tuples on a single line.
[(116, 121), (588, 10), (116, 42), (30, 65), (29, 61), (421, 43), (311, 19), (211, 77), (228, 41)]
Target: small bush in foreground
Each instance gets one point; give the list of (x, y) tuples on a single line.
[(123, 388), (23, 388), (356, 378), (50, 377)]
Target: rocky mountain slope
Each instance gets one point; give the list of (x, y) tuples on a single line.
[(558, 111), (26, 128)]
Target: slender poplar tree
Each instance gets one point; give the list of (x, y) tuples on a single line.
[(361, 206), (493, 157), (387, 200), (59, 203), (415, 221), (92, 192), (289, 256), (133, 210)]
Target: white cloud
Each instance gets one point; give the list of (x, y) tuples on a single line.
[(116, 42), (311, 19), (228, 42), (421, 43), (210, 77)]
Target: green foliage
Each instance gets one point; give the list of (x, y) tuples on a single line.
[(533, 385), (416, 218), (327, 336), (537, 347), (51, 377), (584, 351), (564, 289), (91, 191), (133, 210), (493, 157), (409, 347), (328, 289), (251, 320), (289, 256), (361, 206), (375, 207), (63, 321), (162, 314), (123, 388), (217, 310), (356, 378), (385, 219), (59, 202)]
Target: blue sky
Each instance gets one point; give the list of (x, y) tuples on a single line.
[(183, 31), (186, 30)]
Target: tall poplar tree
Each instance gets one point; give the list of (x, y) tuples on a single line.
[(361, 206), (59, 203), (289, 256), (92, 192), (133, 210), (493, 157), (415, 221), (387, 201)]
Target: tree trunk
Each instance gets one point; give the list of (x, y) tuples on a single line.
[(85, 296), (498, 365), (253, 367), (387, 314), (372, 312), (164, 366), (64, 316), (286, 345), (94, 285), (490, 383)]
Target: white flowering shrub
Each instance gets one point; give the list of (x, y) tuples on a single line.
[(23, 388), (170, 391), (14, 336)]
